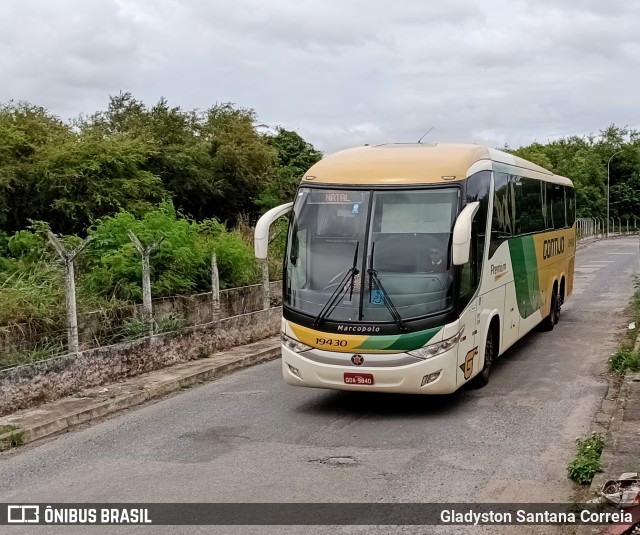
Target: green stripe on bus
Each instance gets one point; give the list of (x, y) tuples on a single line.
[(403, 342), (525, 274)]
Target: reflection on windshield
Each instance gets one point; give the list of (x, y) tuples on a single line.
[(326, 227), (408, 250), (347, 281)]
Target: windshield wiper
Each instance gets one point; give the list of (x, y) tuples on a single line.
[(373, 279), (333, 301)]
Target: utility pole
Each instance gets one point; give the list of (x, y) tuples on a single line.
[(608, 173)]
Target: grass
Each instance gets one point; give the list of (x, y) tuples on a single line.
[(624, 360), (174, 321), (133, 328), (42, 351), (33, 294), (587, 460), (14, 439)]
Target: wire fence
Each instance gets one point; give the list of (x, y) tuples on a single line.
[(23, 343)]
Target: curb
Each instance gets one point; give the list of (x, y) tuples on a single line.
[(610, 452), (610, 443), (99, 409), (609, 420)]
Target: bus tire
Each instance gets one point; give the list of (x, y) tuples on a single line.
[(549, 322), (558, 307), (482, 379)]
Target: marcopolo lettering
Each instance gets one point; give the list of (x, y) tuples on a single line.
[(552, 247), (358, 329)]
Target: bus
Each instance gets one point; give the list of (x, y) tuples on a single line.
[(410, 268)]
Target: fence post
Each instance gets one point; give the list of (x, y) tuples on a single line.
[(266, 299), (147, 306), (215, 288), (70, 286)]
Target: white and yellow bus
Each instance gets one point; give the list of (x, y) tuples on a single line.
[(411, 267)]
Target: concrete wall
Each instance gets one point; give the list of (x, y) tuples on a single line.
[(25, 386), (105, 327)]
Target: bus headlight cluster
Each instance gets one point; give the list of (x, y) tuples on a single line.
[(293, 344), (433, 350)]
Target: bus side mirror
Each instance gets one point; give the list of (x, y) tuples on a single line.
[(462, 234), (261, 234)]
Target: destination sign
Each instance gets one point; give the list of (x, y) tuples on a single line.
[(335, 197)]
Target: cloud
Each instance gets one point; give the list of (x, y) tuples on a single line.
[(340, 73)]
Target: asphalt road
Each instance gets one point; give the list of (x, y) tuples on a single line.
[(249, 437)]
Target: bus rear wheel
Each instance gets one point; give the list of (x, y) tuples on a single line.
[(482, 379), (554, 313), (558, 307)]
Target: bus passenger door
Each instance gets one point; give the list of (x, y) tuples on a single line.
[(468, 355), (467, 346)]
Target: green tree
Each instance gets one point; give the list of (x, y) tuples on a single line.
[(295, 157), (585, 161), (25, 133), (243, 161), (213, 163), (90, 177)]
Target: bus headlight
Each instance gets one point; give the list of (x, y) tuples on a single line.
[(293, 344), (433, 350)]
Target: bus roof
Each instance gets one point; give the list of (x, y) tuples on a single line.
[(417, 163)]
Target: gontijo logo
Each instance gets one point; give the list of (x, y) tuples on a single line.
[(552, 247)]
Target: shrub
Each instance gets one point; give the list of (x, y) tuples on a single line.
[(587, 461), (237, 265), (624, 360)]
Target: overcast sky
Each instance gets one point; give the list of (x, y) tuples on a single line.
[(339, 72)]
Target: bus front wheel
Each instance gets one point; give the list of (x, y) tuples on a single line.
[(482, 379)]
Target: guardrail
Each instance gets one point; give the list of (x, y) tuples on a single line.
[(596, 227)]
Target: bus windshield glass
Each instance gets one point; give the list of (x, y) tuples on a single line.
[(374, 256)]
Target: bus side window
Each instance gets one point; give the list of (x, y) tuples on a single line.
[(502, 220), (477, 190)]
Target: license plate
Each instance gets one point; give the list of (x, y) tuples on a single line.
[(358, 378)]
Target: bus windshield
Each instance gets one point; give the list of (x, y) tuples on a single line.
[(370, 255)]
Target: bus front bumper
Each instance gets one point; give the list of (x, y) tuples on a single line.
[(436, 375)]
